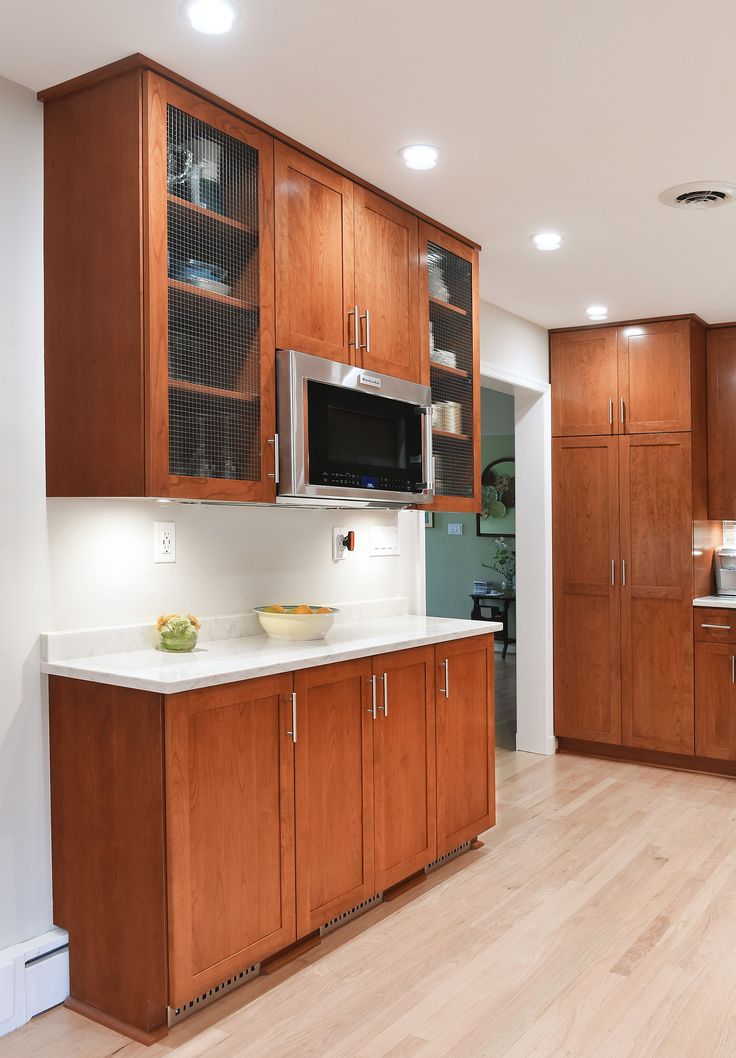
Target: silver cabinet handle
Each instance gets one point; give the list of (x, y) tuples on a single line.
[(733, 669), (428, 466), (623, 572), (623, 411), (384, 681), (275, 442), (726, 628), (446, 689), (610, 411), (613, 572), (293, 718), (373, 711), (367, 317), (354, 343)]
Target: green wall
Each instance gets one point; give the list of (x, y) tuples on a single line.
[(454, 562)]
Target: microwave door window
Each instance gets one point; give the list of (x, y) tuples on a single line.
[(360, 439)]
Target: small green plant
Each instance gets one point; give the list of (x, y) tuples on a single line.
[(178, 631), (503, 561)]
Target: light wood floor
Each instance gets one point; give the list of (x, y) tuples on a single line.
[(598, 922)]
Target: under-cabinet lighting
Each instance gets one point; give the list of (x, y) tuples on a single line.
[(547, 240), (420, 155), (213, 17)]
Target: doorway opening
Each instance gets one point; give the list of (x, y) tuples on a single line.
[(471, 558)]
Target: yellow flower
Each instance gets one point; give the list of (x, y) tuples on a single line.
[(195, 621), (164, 619)]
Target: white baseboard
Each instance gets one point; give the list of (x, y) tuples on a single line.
[(34, 976)]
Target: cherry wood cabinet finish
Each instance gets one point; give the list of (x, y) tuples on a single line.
[(584, 377), (679, 761), (230, 830), (721, 346), (314, 257), (427, 234), (108, 844), (404, 765), (654, 376), (93, 246), (656, 599), (387, 286), (587, 586), (159, 94), (714, 625), (715, 700), (465, 741), (333, 791)]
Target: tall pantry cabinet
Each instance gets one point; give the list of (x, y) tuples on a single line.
[(629, 479)]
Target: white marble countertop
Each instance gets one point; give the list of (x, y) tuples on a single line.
[(229, 660), (724, 602)]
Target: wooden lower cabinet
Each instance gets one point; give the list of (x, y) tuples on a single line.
[(334, 791), (197, 834), (230, 830), (404, 765), (465, 741), (715, 700)]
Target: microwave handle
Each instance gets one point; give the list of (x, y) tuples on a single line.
[(428, 460)]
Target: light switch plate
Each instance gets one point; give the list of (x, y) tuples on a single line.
[(164, 541), (384, 540), (455, 528)]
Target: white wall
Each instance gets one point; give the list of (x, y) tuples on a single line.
[(510, 344), (81, 563), (25, 885)]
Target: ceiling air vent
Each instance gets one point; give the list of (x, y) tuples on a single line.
[(701, 194)]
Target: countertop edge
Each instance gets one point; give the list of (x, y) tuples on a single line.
[(71, 669), (716, 602)]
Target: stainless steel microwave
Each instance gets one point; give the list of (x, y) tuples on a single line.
[(350, 437)]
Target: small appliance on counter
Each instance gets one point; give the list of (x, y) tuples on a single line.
[(725, 560)]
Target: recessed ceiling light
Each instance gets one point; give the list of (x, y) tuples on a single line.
[(420, 155), (547, 240), (213, 17), (597, 312)]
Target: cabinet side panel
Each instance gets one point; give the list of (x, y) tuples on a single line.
[(93, 292), (107, 819)]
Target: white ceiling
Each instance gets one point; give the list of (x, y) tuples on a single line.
[(569, 115)]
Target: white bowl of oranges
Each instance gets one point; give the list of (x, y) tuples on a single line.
[(296, 622)]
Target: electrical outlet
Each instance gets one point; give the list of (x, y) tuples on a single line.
[(164, 542), (455, 528), (338, 547)]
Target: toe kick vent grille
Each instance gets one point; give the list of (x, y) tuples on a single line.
[(177, 1014), (451, 855), (359, 909)]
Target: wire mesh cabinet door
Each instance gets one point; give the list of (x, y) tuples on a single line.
[(448, 278), (209, 259)]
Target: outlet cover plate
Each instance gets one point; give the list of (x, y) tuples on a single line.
[(338, 548), (164, 542), (455, 528)]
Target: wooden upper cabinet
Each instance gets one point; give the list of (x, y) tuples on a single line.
[(387, 287), (715, 701), (584, 376), (230, 830), (654, 374), (404, 766), (465, 741), (314, 257), (656, 596), (334, 791), (587, 578), (721, 345)]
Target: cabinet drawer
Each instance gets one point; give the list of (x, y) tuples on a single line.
[(715, 625)]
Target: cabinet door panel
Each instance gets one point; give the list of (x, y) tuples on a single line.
[(314, 256), (230, 830), (587, 648), (404, 766), (721, 345), (656, 602), (334, 791), (465, 741), (584, 378), (654, 377), (715, 701), (387, 286)]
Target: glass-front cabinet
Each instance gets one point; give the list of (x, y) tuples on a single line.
[(450, 337), (210, 301)]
